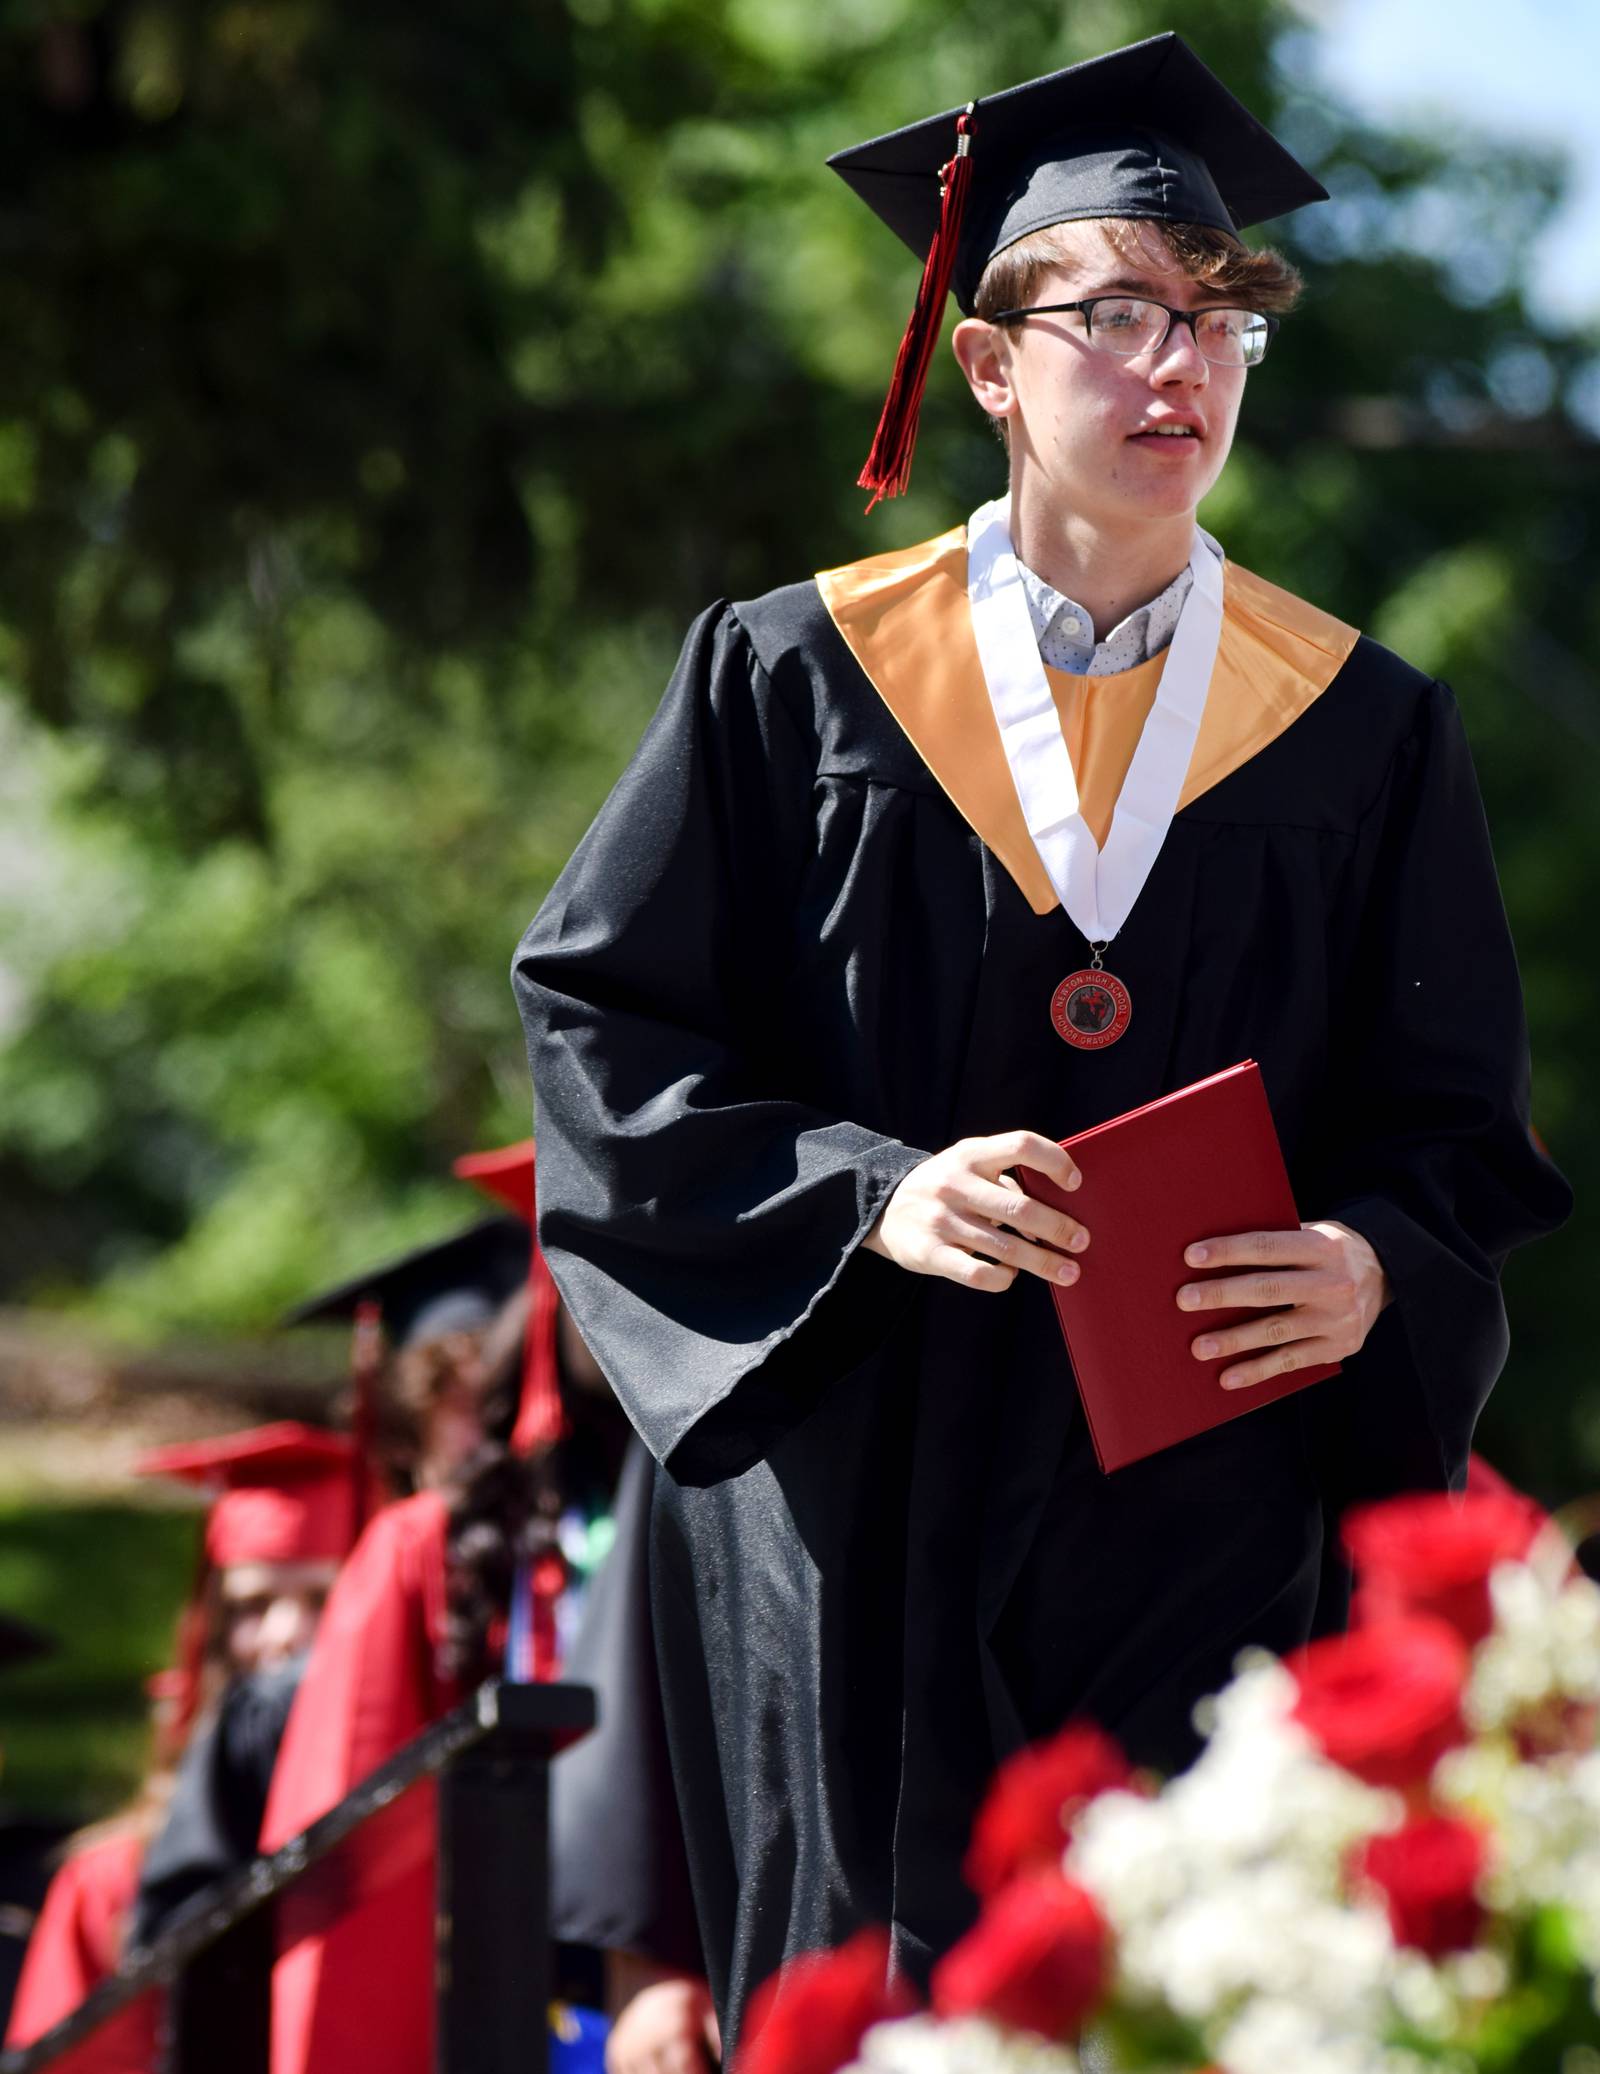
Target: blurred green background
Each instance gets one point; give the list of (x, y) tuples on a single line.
[(384, 387), (105, 1578)]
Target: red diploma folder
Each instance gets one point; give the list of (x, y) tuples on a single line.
[(1202, 1163)]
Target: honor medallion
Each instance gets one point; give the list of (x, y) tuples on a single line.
[(1091, 1008)]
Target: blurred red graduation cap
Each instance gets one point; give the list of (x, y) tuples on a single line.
[(285, 1493), (506, 1174)]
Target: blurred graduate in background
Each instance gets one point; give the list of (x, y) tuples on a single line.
[(524, 1481), (282, 1520), (272, 1551)]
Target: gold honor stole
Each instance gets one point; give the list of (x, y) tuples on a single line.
[(904, 616)]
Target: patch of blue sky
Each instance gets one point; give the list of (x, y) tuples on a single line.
[(1524, 71)]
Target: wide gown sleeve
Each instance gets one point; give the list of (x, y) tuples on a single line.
[(1427, 1150), (701, 1208)]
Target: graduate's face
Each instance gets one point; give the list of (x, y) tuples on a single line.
[(452, 1426), (270, 1610), (1081, 422)]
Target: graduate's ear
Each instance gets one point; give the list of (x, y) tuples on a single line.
[(984, 351)]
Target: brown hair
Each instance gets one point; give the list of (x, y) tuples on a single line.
[(1263, 280), (503, 1509), (413, 1381)]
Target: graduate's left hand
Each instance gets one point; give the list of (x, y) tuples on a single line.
[(666, 2027), (1321, 1289)]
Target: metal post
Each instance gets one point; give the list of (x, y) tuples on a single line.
[(492, 1947), (221, 2008), (216, 1954)]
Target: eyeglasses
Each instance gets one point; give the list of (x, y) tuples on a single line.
[(1128, 325)]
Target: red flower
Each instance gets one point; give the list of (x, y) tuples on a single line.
[(1428, 1874), (1035, 1798), (1433, 1554), (1385, 1702), (810, 2017), (1039, 1959)]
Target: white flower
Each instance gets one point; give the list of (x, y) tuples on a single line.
[(1547, 1846), (1264, 1931), (1544, 1647), (1286, 2038), (1422, 1994), (1476, 1779), (1477, 1976), (1227, 1886), (970, 2045), (1126, 1850), (1544, 1832), (1259, 1790)]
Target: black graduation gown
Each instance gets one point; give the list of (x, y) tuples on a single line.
[(779, 971), (214, 1816), (618, 1876)]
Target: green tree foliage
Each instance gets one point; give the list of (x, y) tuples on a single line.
[(105, 1581), (386, 385)]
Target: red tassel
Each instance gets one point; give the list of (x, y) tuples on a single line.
[(541, 1416), (888, 469), (548, 1582)]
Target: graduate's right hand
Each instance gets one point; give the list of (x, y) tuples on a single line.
[(961, 1215)]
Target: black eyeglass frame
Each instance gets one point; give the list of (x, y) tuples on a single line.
[(1087, 309)]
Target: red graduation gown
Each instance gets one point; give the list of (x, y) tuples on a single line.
[(75, 1944), (353, 1986)]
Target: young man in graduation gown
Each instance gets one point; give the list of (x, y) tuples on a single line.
[(844, 949)]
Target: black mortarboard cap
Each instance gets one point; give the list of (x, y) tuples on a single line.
[(457, 1284), (1144, 132), (1147, 132)]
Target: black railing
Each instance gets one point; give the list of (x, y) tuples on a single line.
[(491, 1758)]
